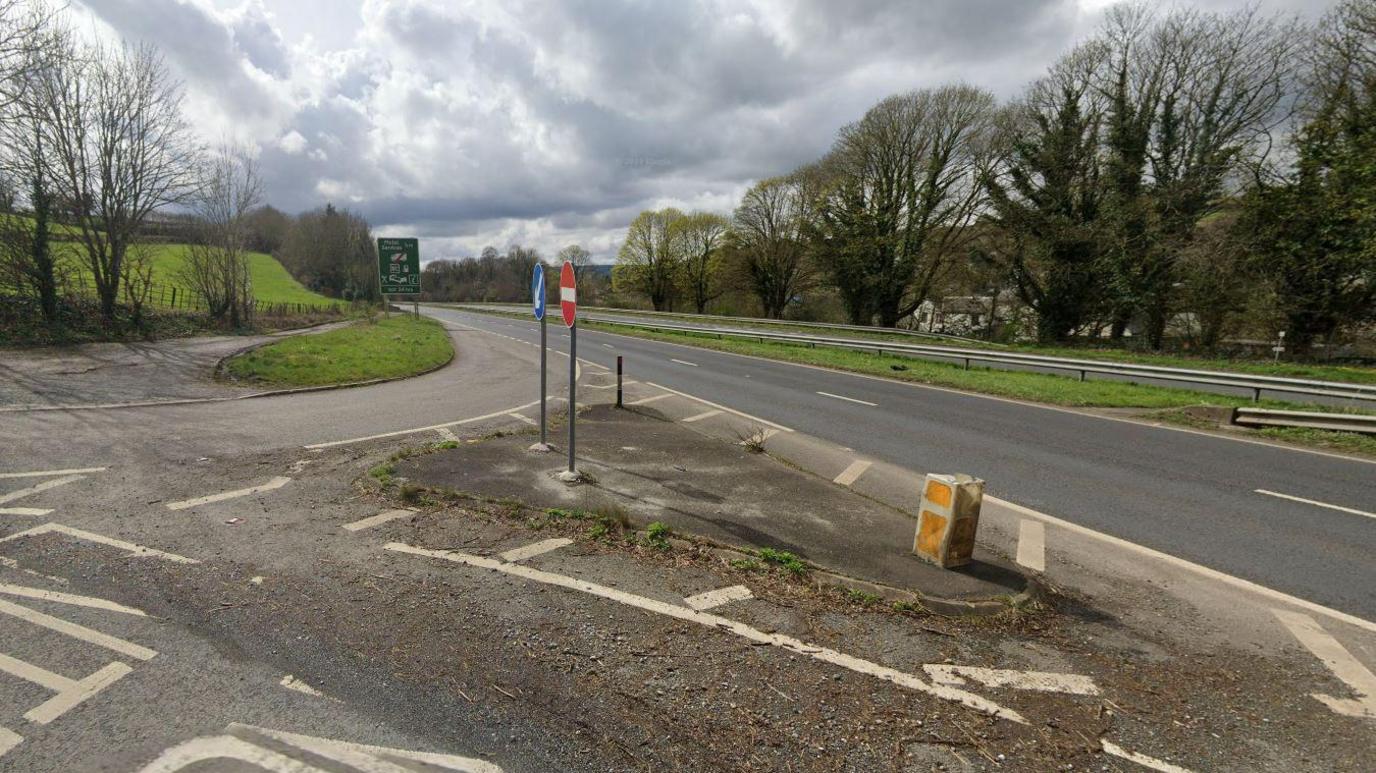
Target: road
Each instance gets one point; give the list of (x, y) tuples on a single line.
[(1189, 494)]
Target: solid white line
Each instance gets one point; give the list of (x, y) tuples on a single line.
[(1036, 681), (534, 549), (715, 598), (67, 598), (703, 415), (82, 690), (1180, 563), (75, 631), (34, 674), (723, 624), (375, 520), (8, 740), (684, 362), (1315, 502), (430, 428), (51, 473), (272, 485), (741, 414), (1339, 661), (524, 418), (852, 472), (1141, 759), (44, 486), (135, 550), (1032, 545), (848, 399), (646, 400), (35, 511)]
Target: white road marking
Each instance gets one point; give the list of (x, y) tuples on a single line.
[(1339, 661), (524, 418), (431, 428), (1315, 502), (77, 692), (225, 747), (34, 511), (741, 414), (292, 683), (371, 756), (609, 346), (715, 622), (684, 362), (272, 485), (701, 416), (79, 632), (1036, 681), (647, 400), (8, 740), (44, 486), (53, 473), (1141, 759), (72, 599), (1032, 545), (1180, 563), (447, 434), (852, 472), (765, 434), (715, 598), (376, 520), (135, 550), (534, 549), (848, 399)]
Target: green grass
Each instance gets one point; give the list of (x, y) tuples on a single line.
[(389, 348)]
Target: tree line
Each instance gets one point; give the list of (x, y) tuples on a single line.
[(98, 162), (1181, 164)]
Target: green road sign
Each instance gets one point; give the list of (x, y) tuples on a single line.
[(398, 266)]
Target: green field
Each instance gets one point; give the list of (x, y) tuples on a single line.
[(388, 348)]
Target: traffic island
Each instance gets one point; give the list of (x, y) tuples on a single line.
[(743, 503)]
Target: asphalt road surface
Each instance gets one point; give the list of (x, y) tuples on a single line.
[(1193, 495)]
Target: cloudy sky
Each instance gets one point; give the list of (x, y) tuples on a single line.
[(549, 122)]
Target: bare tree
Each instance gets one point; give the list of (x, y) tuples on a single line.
[(216, 266), (767, 236), (652, 257), (702, 235), (118, 149)]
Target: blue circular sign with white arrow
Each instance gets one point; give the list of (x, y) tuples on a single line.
[(537, 290)]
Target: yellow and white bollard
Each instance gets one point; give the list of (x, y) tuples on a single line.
[(948, 519)]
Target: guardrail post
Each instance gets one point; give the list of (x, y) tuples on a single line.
[(967, 363), (1256, 394), (1082, 375)]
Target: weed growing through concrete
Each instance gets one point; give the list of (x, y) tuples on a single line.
[(752, 439), (862, 598), (784, 560), (748, 564), (657, 534)]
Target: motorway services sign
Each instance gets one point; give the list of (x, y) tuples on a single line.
[(398, 265), (568, 294), (537, 290)]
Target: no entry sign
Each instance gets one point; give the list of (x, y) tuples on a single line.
[(568, 294)]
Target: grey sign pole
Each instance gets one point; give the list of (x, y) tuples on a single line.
[(573, 389), (543, 339)]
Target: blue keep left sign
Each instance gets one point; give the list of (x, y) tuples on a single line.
[(537, 290)]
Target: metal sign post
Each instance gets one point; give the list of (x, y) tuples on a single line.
[(568, 306), (537, 301)]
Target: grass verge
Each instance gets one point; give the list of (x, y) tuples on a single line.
[(372, 349)]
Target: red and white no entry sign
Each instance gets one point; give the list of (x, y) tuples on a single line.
[(568, 294)]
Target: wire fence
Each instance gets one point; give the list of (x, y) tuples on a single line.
[(170, 297)]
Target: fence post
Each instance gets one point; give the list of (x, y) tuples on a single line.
[(174, 297)]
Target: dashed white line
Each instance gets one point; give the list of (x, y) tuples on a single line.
[(34, 511), (53, 473), (1141, 759), (1315, 502), (133, 549), (852, 472), (522, 417), (1032, 544), (848, 399), (447, 434), (534, 549), (431, 428), (725, 625), (292, 683), (741, 414), (272, 485), (684, 362), (44, 486), (1339, 661), (609, 346), (715, 598), (8, 740), (78, 691), (377, 520), (1036, 681), (703, 415), (71, 599), (648, 400), (75, 631)]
